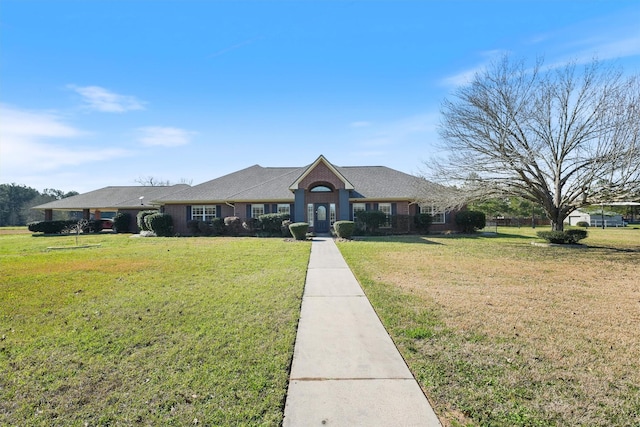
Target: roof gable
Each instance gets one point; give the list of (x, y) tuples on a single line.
[(321, 161)]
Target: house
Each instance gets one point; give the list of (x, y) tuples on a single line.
[(109, 200), (595, 219), (320, 194)]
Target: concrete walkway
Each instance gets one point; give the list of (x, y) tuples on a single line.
[(346, 369)]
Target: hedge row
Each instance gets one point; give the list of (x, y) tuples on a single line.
[(267, 225), (65, 226)]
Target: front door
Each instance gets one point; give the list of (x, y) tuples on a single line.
[(321, 220)]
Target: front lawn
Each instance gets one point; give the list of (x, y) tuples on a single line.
[(157, 331), (502, 333)]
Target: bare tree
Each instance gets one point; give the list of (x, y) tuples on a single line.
[(559, 137), (152, 181)]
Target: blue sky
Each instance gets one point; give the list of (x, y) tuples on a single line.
[(97, 93)]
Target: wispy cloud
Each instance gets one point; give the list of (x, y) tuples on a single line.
[(100, 99), (28, 147), (400, 132), (235, 46), (466, 76), (164, 136)]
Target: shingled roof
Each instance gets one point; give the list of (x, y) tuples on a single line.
[(114, 198), (257, 183)]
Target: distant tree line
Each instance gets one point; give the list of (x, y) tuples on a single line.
[(17, 200)]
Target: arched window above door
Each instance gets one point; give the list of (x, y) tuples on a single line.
[(321, 189)]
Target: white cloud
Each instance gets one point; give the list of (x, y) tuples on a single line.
[(466, 76), (408, 130), (100, 99), (26, 149), (164, 136)]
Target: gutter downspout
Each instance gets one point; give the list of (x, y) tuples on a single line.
[(232, 205)]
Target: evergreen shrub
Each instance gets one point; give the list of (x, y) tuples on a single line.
[(160, 223), (121, 222), (370, 221), (567, 237), (271, 224), (233, 225), (423, 222), (299, 230), (141, 222), (471, 221), (50, 227), (344, 229)]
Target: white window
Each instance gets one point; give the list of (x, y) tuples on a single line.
[(310, 214), (386, 209), (358, 207), (332, 213), (284, 209), (257, 210), (204, 213), (437, 215)]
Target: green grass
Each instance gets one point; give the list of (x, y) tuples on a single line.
[(502, 333), (157, 331)]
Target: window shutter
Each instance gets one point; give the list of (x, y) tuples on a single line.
[(292, 209), (394, 209), (265, 207), (350, 211), (248, 211), (218, 211), (188, 213), (375, 207), (367, 207), (274, 208)]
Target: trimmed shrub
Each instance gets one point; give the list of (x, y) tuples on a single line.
[(193, 225), (271, 224), (92, 226), (370, 221), (423, 222), (141, 222), (51, 227), (567, 237), (217, 226), (584, 224), (284, 229), (575, 235), (299, 230), (160, 223), (249, 225), (344, 229), (121, 222), (233, 225), (471, 221)]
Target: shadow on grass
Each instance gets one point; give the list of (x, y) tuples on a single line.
[(424, 239), (617, 250), (396, 239)]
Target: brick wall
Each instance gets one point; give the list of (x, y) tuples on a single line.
[(321, 174)]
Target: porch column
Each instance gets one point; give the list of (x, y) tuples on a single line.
[(299, 207), (343, 204), (96, 214), (86, 214), (48, 214)]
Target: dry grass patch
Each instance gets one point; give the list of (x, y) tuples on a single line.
[(500, 332)]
